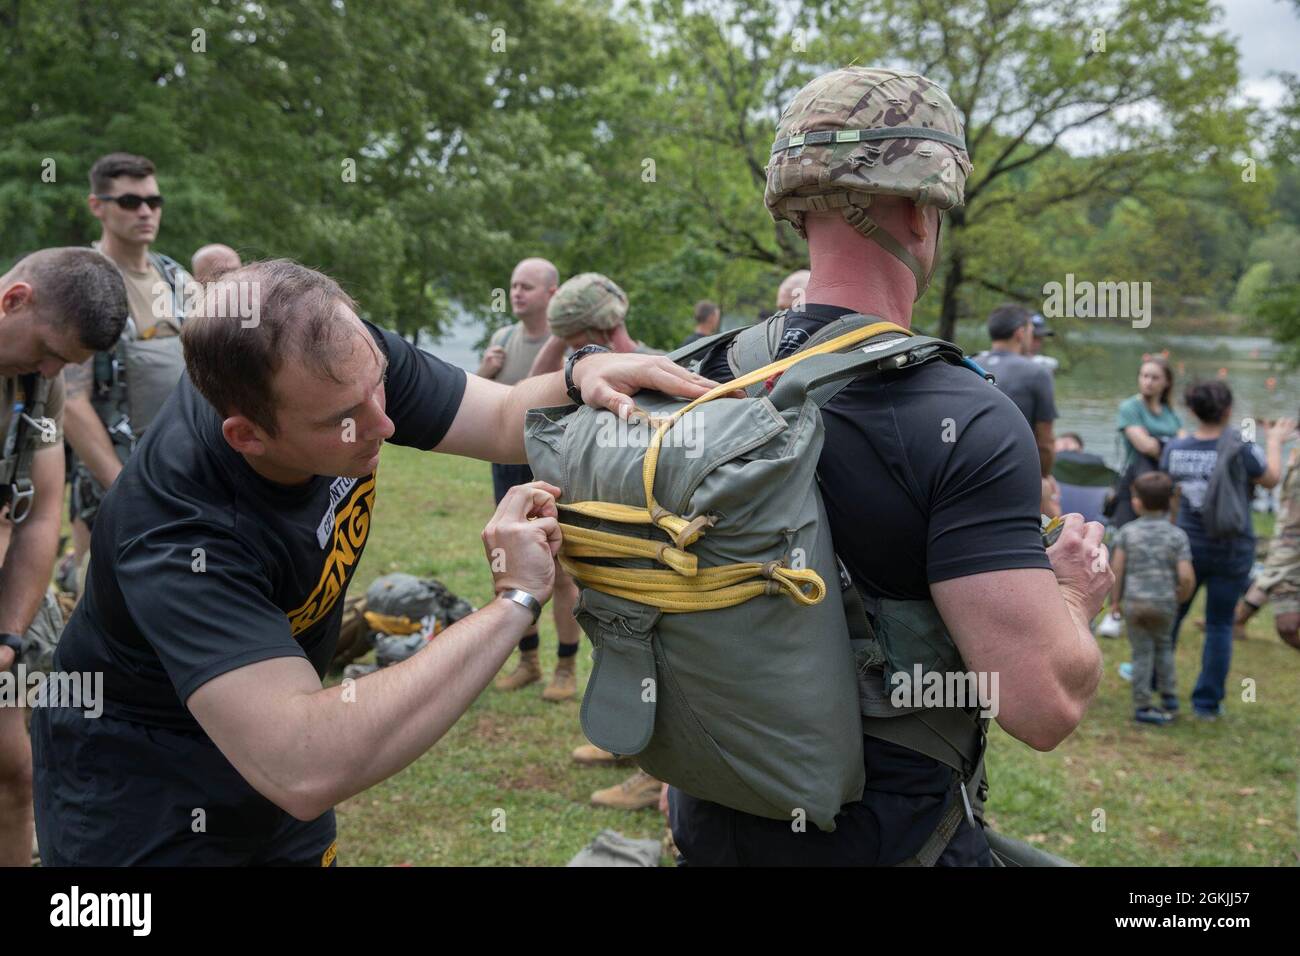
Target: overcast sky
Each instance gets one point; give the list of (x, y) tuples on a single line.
[(1268, 36)]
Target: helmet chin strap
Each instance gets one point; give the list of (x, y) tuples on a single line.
[(853, 207), (857, 217)]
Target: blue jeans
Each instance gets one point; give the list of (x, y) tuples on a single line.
[(1224, 568)]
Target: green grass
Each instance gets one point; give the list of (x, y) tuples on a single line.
[(1189, 794)]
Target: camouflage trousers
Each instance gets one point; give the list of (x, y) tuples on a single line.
[(1280, 576), (43, 636), (1150, 627)]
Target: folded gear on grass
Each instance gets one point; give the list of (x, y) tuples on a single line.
[(398, 614), (702, 550)]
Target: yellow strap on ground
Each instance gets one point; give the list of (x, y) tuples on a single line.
[(710, 589), (391, 623)]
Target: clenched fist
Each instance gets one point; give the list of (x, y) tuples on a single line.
[(523, 538), (1082, 565)]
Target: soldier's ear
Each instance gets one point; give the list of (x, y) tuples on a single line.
[(17, 295)]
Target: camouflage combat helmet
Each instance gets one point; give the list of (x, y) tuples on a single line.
[(855, 133), (587, 301)]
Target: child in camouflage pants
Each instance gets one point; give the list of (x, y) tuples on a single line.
[(1152, 561)]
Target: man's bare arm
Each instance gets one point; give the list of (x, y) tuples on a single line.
[(82, 428), (490, 421), (1031, 627), (306, 749), (33, 545), (1046, 441)]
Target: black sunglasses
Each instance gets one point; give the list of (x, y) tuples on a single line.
[(132, 201)]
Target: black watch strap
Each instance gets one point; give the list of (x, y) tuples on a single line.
[(575, 395), (16, 641)]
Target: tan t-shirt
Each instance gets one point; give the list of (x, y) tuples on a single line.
[(150, 298), (520, 352), (9, 393), (143, 290)]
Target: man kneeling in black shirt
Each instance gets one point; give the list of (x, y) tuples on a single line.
[(218, 564)]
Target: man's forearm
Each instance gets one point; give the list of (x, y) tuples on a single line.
[(90, 440), (352, 737), (27, 569), (1080, 671)]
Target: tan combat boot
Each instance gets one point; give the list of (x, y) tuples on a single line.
[(589, 755), (638, 792), (526, 672), (564, 685)]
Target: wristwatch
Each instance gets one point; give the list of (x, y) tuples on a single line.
[(524, 599), (16, 641), (575, 395)]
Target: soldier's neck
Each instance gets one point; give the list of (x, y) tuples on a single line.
[(535, 325), (133, 256)]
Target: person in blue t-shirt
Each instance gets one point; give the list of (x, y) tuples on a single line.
[(1222, 565)]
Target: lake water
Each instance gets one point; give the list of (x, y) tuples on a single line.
[(1098, 370)]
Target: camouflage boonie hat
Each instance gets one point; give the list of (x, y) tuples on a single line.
[(587, 301), (855, 133)]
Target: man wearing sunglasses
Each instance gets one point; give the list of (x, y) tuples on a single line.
[(104, 419)]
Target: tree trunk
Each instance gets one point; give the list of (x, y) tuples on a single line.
[(952, 282)]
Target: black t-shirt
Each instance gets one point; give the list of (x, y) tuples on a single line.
[(927, 474), (200, 566)]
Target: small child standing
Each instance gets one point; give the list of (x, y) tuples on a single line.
[(1152, 561)]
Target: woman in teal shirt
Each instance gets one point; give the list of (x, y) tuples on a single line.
[(1145, 422)]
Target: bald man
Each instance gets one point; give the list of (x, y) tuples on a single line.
[(790, 293), (213, 260), (508, 359)]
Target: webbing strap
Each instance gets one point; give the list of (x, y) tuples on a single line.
[(591, 543), (699, 346), (18, 491), (753, 349), (947, 734), (708, 590), (824, 137), (749, 378), (938, 841)]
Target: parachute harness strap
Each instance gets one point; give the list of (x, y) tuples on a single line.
[(683, 586)]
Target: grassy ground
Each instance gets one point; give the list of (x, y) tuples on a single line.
[(1115, 793)]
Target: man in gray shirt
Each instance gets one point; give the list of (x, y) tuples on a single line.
[(1024, 381)]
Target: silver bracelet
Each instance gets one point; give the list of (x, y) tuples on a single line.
[(524, 599)]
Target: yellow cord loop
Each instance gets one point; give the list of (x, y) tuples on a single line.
[(684, 587)]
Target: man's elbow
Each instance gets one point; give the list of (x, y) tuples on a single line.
[(1044, 725), (304, 797)]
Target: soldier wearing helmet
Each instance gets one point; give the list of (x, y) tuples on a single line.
[(929, 475), (590, 309)]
